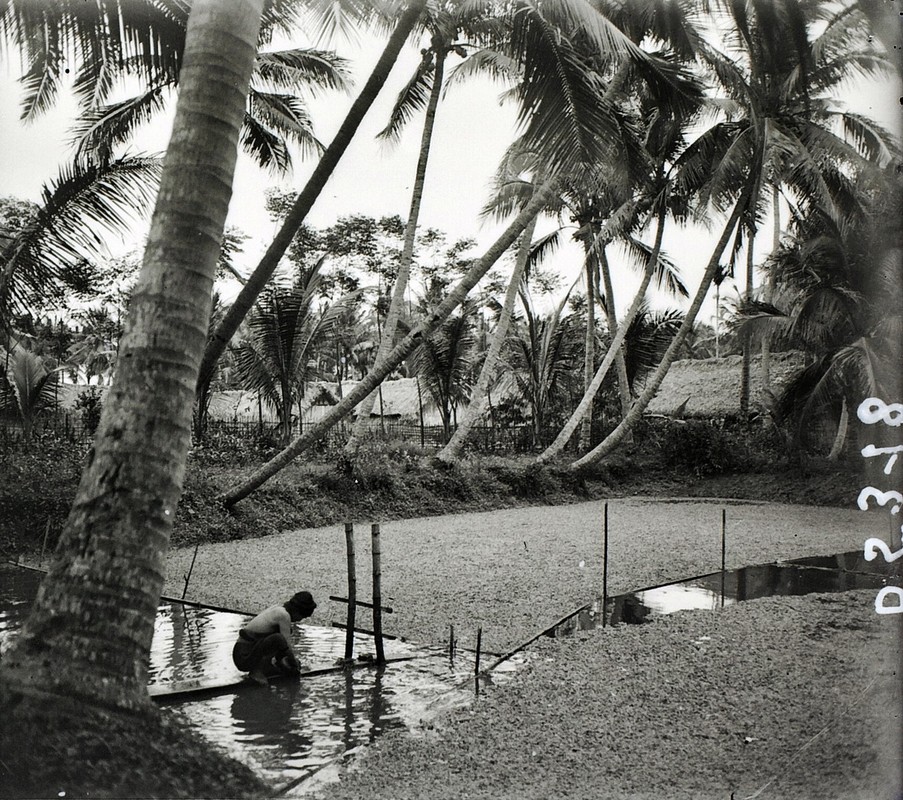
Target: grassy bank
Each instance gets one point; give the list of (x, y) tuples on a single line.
[(398, 481)]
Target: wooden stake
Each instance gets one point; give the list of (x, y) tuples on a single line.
[(451, 642), (605, 567), (377, 593), (723, 550), (352, 591), (190, 570), (476, 669), (44, 546)]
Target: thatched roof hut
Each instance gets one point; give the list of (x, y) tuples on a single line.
[(710, 388)]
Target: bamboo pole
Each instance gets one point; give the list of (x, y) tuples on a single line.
[(190, 570), (476, 668), (352, 591), (723, 550), (605, 566), (377, 593)]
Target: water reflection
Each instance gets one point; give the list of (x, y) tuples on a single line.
[(823, 574), (289, 730)]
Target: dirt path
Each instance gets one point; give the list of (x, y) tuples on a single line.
[(513, 572)]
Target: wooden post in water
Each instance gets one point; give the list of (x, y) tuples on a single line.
[(377, 594), (723, 550), (605, 567), (451, 642), (352, 591)]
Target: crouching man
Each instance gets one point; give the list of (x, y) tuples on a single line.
[(264, 644)]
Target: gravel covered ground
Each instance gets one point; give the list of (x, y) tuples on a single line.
[(795, 696)]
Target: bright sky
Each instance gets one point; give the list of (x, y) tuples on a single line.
[(472, 132)]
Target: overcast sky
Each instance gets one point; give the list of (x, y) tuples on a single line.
[(473, 130)]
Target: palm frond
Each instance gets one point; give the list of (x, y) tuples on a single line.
[(100, 129), (86, 202), (411, 99), (308, 69), (285, 116)]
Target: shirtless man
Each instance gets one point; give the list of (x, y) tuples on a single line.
[(264, 643)]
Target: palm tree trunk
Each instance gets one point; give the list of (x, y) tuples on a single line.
[(589, 347), (620, 361), (450, 453), (747, 348), (398, 354), (87, 639), (396, 306), (653, 383), (328, 161), (586, 402), (765, 368)]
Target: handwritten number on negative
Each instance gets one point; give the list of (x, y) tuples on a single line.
[(873, 410)]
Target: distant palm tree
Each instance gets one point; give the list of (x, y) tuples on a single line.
[(28, 388), (444, 365), (285, 328), (544, 356)]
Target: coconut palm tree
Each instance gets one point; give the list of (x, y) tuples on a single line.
[(831, 276), (790, 143), (296, 215), (543, 356), (559, 110), (285, 328), (445, 22), (443, 363), (95, 610), (777, 83)]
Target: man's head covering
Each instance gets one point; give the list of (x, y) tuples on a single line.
[(302, 603)]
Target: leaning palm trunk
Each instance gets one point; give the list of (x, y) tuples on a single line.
[(747, 345), (583, 409), (589, 345), (765, 368), (652, 384), (620, 361), (398, 354), (264, 270), (478, 397), (407, 254), (87, 640)]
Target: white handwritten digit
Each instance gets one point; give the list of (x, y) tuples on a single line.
[(870, 451), (882, 498), (872, 546), (874, 409), (880, 608)]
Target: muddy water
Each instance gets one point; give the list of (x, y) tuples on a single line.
[(838, 573), (290, 730)]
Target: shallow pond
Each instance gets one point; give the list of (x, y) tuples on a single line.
[(290, 730)]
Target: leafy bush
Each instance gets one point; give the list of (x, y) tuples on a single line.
[(89, 405), (699, 447)]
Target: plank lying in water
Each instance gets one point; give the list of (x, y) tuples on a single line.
[(236, 681)]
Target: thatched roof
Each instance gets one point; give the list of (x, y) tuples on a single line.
[(710, 388)]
